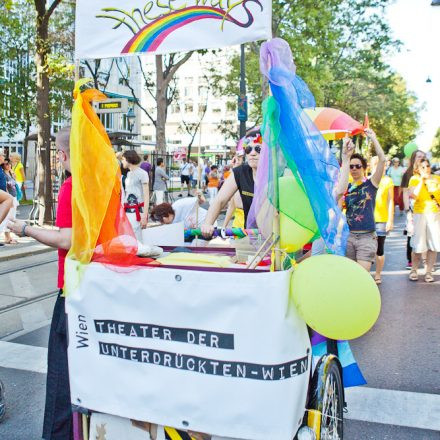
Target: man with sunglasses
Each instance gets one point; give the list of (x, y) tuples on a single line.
[(360, 201), (241, 180)]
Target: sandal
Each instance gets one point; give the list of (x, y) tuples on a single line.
[(378, 280), (12, 241), (413, 276), (429, 278)]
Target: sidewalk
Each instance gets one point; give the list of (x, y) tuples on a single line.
[(26, 246)]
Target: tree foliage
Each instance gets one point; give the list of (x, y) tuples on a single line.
[(435, 146), (339, 48), (17, 61)]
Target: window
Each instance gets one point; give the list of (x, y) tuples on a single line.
[(107, 120), (202, 109), (216, 110), (175, 108), (187, 91), (147, 137), (189, 108)]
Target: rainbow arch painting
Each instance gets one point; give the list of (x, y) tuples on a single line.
[(151, 36)]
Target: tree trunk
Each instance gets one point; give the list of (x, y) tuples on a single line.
[(25, 149), (161, 102), (43, 124)]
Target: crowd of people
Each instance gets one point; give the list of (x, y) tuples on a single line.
[(12, 178)]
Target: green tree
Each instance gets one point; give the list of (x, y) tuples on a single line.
[(339, 47), (435, 146), (36, 83)]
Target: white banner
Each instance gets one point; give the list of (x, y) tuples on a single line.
[(114, 28), (217, 352)]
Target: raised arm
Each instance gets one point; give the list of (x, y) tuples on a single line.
[(377, 176), (225, 194), (344, 172)]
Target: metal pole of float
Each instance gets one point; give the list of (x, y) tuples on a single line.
[(242, 99), (276, 216)]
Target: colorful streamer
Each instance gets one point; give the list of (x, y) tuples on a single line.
[(101, 230), (299, 146), (351, 374), (233, 232)]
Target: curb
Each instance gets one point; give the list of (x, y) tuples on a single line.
[(26, 253)]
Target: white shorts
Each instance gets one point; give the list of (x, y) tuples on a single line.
[(135, 225), (159, 195), (426, 232)]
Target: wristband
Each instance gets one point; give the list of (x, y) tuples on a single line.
[(23, 230)]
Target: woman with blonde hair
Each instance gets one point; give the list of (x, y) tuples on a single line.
[(424, 189), (408, 203), (18, 169)]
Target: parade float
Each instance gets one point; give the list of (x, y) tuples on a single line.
[(169, 348)]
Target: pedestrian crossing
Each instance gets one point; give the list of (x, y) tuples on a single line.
[(390, 407)]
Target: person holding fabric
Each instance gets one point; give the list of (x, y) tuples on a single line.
[(424, 188), (409, 203), (360, 201), (241, 180), (137, 193), (58, 410), (18, 169), (160, 181), (383, 216), (11, 187), (396, 172)]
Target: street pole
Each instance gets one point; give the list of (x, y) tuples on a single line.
[(242, 99)]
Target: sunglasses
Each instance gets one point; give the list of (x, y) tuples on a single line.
[(257, 149), (355, 166)]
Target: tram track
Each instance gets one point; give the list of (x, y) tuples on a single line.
[(27, 294), (20, 267)]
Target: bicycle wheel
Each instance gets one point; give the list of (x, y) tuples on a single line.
[(328, 398)]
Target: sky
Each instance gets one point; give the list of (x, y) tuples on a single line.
[(417, 24)]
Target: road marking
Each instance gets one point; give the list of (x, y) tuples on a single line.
[(389, 407), (23, 357)]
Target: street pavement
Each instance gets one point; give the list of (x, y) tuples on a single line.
[(399, 356)]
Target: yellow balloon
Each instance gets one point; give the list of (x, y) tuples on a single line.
[(297, 221), (335, 296), (293, 237)]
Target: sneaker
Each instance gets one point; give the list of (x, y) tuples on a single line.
[(409, 265), (413, 276), (180, 195), (429, 278), (2, 401)]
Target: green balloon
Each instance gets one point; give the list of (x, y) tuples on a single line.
[(297, 220), (409, 148), (335, 296)]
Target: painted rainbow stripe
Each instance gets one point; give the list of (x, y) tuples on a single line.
[(149, 38)]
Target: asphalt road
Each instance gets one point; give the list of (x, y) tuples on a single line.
[(401, 353)]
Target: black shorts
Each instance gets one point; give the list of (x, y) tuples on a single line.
[(184, 179)]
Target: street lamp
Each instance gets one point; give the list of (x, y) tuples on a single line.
[(130, 118)]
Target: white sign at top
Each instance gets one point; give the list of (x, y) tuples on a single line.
[(114, 28)]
